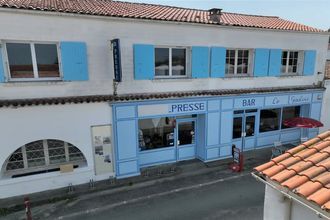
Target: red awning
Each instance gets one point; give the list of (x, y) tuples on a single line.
[(301, 122)]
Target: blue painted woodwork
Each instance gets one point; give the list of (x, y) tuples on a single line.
[(213, 105), (125, 112), (218, 62), (267, 140), (200, 62), (225, 151), (261, 62), (200, 147), (74, 61), (226, 127), (212, 153), (2, 69), (316, 111), (128, 168), (213, 128), (126, 139), (275, 58), (185, 153), (162, 155), (309, 62), (227, 104), (288, 135), (144, 61)]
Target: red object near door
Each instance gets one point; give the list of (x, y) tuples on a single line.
[(301, 122)]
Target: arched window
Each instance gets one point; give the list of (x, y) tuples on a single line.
[(43, 156)]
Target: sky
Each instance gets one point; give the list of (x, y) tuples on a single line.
[(315, 13)]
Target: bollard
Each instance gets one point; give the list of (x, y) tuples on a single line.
[(27, 205)]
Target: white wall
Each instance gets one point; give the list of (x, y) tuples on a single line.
[(97, 31), (71, 123), (279, 207), (325, 119)]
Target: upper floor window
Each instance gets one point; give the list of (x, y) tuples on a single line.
[(32, 60), (170, 62), (290, 60), (237, 62)]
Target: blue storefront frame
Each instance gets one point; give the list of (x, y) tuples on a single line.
[(213, 125)]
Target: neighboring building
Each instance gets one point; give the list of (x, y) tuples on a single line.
[(298, 182), (193, 83)]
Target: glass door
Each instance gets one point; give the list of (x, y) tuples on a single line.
[(186, 139), (244, 129)]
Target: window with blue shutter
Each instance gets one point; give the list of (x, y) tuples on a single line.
[(144, 61), (218, 62), (275, 57), (74, 61), (261, 62), (309, 62), (200, 62), (2, 70)]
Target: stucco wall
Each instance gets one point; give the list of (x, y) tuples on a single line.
[(279, 207), (97, 31), (70, 123), (325, 117)]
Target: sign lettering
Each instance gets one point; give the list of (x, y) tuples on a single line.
[(297, 99), (116, 59), (248, 102), (187, 107)]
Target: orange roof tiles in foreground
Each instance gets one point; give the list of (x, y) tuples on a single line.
[(304, 170), (154, 12)]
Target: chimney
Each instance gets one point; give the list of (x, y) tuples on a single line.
[(215, 15)]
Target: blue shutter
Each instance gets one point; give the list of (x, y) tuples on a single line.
[(74, 61), (309, 62), (200, 62), (261, 62), (218, 61), (2, 70), (144, 61), (275, 58)]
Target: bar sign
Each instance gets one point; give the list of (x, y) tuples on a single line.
[(115, 43)]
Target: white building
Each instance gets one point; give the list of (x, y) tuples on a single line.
[(193, 83), (297, 182)]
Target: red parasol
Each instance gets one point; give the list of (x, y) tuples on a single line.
[(301, 122)]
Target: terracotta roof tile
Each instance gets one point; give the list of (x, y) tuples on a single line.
[(305, 170), (154, 12)]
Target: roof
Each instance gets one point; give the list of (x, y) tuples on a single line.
[(143, 96), (154, 12), (304, 170)]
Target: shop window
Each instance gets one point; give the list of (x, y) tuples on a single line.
[(237, 62), (43, 156), (269, 119), (32, 61), (170, 62), (291, 62), (290, 112), (156, 133)]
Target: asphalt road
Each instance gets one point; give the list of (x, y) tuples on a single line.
[(239, 198)]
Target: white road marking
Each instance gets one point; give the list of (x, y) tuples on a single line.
[(99, 209)]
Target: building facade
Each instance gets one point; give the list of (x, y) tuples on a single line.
[(186, 84)]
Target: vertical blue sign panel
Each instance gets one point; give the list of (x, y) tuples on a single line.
[(116, 59)]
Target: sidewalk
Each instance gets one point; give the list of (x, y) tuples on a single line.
[(57, 204)]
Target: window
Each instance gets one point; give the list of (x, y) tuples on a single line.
[(289, 62), (269, 119), (237, 62), (156, 133), (32, 61), (43, 156), (290, 112), (170, 62)]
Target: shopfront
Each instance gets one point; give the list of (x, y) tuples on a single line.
[(149, 133)]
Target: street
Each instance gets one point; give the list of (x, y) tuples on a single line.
[(237, 198)]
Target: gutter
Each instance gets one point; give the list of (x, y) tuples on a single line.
[(290, 195)]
